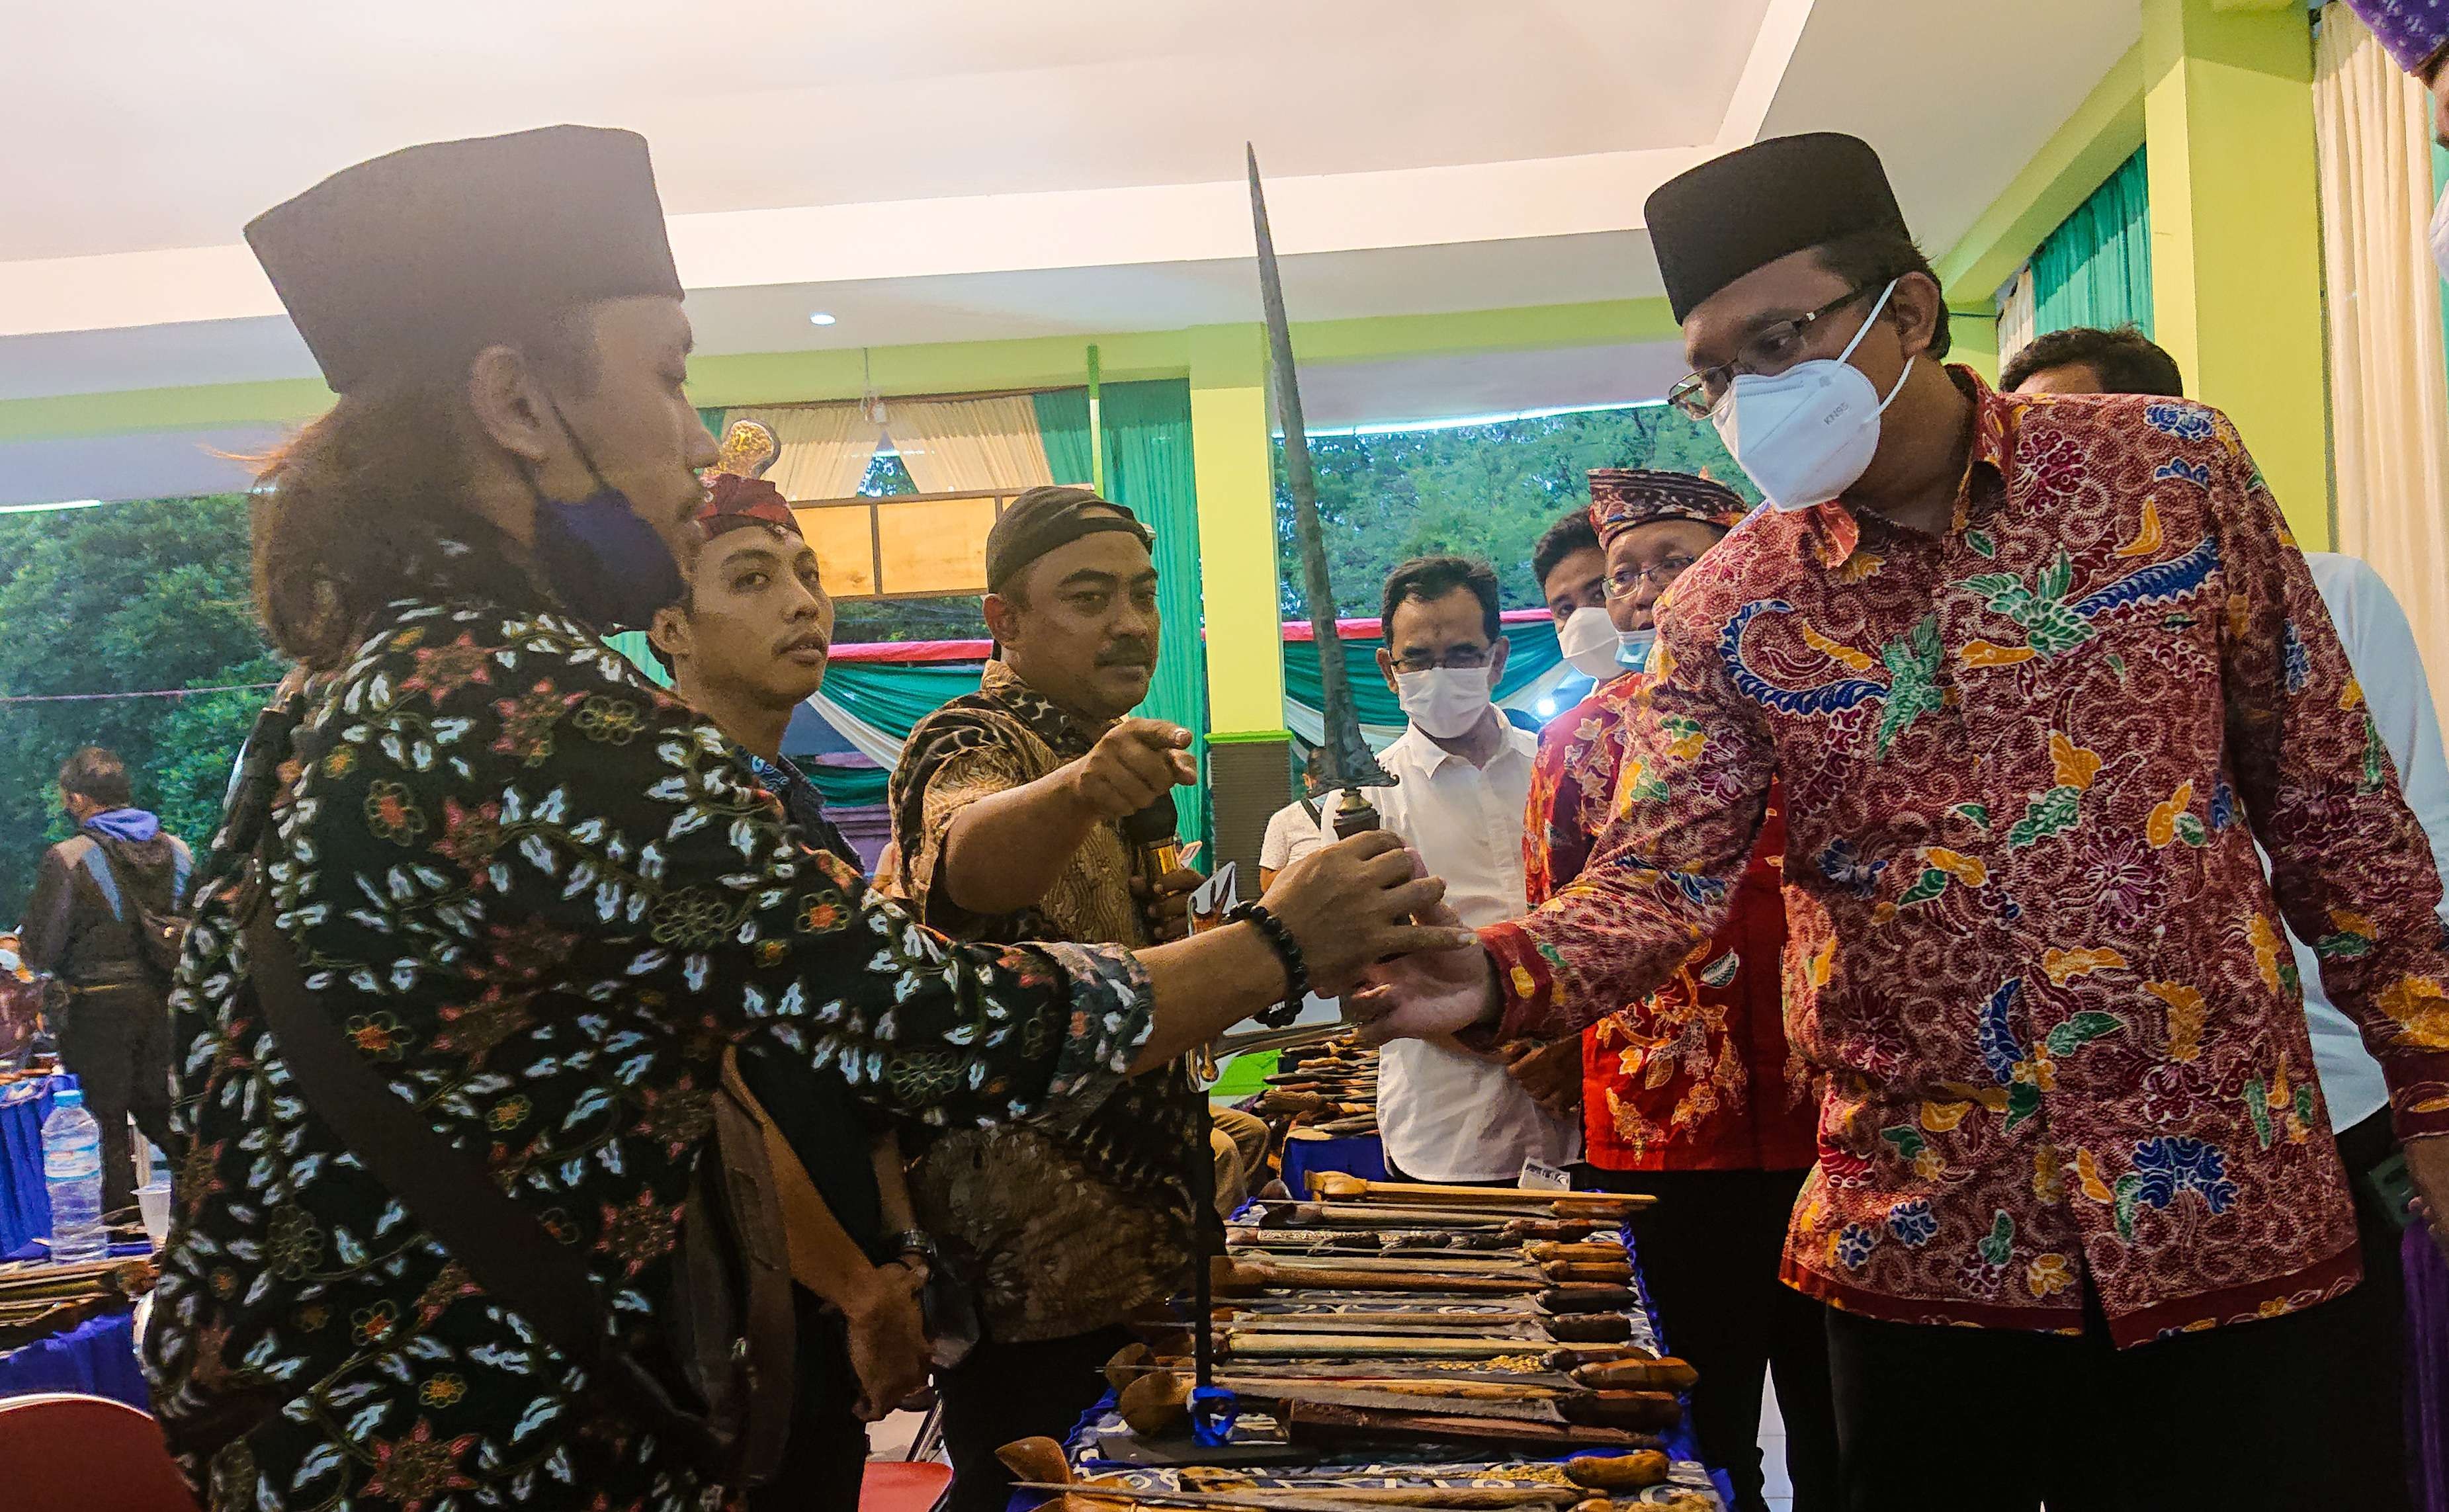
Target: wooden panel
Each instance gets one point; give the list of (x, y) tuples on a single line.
[(934, 546), (842, 539)]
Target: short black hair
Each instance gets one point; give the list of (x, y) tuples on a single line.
[(98, 777), (1571, 533), (2124, 359), (1869, 260), (1428, 579)]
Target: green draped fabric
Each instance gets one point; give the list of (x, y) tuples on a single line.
[(714, 420), (2441, 183), (2095, 268), (633, 643), (1148, 467), (848, 787), (1063, 428), (893, 697)]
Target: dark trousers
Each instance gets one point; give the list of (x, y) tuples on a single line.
[(1007, 1391), (2233, 1418), (1708, 1254), (826, 1458), (116, 1043), (2367, 1375)]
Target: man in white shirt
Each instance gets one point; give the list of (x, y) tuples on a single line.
[(1463, 781), (1293, 831)]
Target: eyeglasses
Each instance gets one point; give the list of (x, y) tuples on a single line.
[(1462, 658), (1626, 581), (1768, 352)]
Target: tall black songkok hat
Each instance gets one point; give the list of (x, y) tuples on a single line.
[(416, 260), (1714, 224)]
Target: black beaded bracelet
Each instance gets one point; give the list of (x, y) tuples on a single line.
[(1295, 970)]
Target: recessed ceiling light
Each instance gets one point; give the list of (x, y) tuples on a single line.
[(819, 318)]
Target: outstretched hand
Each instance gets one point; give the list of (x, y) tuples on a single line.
[(1427, 993), (1358, 901)]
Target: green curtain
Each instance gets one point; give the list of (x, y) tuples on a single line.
[(894, 696), (1148, 467), (2439, 184), (2095, 268), (1063, 428), (848, 787), (633, 643)]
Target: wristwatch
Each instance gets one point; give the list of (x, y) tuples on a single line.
[(915, 1241)]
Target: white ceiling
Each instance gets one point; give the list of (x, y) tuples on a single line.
[(939, 170)]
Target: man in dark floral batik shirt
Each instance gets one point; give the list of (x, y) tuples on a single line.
[(539, 895)]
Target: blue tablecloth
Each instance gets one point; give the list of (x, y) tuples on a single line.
[(97, 1357), (1364, 1155), (25, 1205)]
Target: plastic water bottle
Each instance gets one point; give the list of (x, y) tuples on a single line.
[(72, 1172)]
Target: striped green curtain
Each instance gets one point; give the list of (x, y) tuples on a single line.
[(1148, 467), (2095, 268), (2439, 184), (633, 643)]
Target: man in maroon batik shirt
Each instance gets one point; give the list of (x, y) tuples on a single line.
[(2035, 677)]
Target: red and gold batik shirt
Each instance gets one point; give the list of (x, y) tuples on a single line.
[(2030, 944), (1697, 1076)]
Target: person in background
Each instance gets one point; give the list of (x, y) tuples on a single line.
[(85, 925), (510, 472), (1008, 805), (746, 645), (2369, 1372), (2037, 675), (1293, 831), (1463, 774), (1571, 568), (2089, 360), (1693, 1096)]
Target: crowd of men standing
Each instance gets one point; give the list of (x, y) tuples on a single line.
[(1988, 894)]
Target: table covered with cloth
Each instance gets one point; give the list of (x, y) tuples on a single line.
[(1690, 1483), (1360, 1155), (25, 1204), (96, 1358)]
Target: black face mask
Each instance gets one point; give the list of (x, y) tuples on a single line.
[(604, 562)]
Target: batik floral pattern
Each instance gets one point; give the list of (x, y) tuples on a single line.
[(541, 897), (2024, 764), (1699, 1076)]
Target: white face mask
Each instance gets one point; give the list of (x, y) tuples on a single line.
[(1587, 641), (1444, 702), (1807, 433), (1632, 647), (2440, 235)]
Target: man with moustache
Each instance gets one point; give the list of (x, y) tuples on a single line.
[(1008, 806)]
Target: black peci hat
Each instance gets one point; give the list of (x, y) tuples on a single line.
[(1731, 215), (418, 258)]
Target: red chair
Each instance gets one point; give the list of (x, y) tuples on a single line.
[(70, 1453), (899, 1486)]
